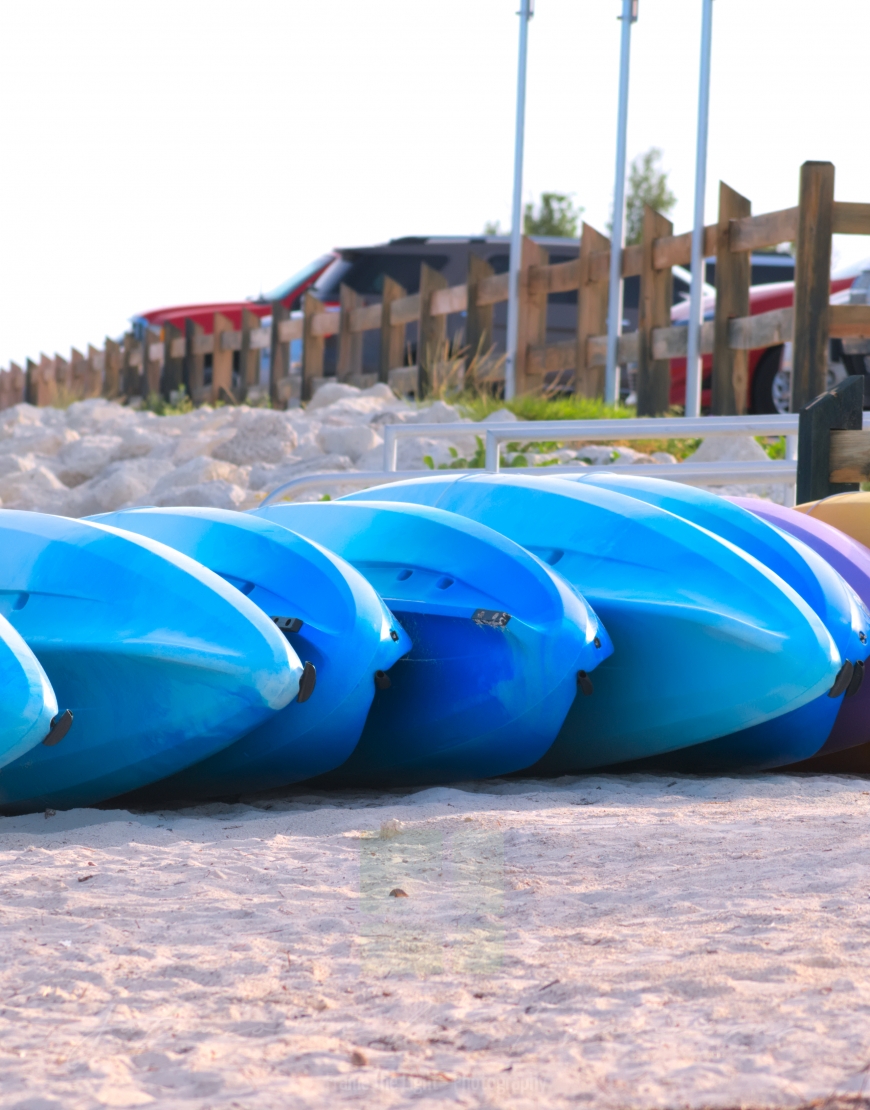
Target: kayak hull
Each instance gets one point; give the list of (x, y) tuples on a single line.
[(345, 631), (27, 701), (706, 641), (160, 662), (471, 699)]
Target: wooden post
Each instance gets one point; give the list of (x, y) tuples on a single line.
[(95, 370), (249, 358), (111, 369), (172, 377), (78, 373), (656, 290), (194, 364), (17, 384), (63, 377), (279, 361), (221, 362), (31, 375), (431, 330), (392, 335), (841, 409), (531, 313), (46, 382), (478, 318), (350, 343), (152, 367), (733, 275), (591, 315), (312, 345), (812, 283), (131, 372)]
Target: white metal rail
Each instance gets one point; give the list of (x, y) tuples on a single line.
[(780, 472)]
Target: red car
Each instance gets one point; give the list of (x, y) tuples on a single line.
[(289, 294), (769, 367)]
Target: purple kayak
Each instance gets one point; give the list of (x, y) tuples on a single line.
[(848, 746)]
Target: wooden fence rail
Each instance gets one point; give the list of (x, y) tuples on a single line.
[(163, 362)]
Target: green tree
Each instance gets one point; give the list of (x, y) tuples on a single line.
[(647, 184), (556, 215)]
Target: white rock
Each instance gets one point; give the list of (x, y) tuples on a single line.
[(16, 464), (730, 449), (663, 457), (267, 478), (119, 485), (85, 458), (597, 454), (329, 393), (352, 440), (31, 489), (262, 437), (500, 416), (38, 440), (218, 494), (197, 471)]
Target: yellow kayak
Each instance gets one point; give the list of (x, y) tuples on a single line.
[(850, 512)]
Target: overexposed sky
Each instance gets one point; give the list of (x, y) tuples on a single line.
[(173, 152)]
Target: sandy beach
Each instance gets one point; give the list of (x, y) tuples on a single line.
[(638, 942)]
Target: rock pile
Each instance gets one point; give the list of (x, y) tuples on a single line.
[(97, 456)]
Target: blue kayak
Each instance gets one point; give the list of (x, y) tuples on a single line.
[(329, 613), (707, 641), (802, 732), (500, 644), (160, 662), (27, 702)]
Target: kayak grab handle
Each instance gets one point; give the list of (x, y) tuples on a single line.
[(60, 726), (842, 681), (307, 682)]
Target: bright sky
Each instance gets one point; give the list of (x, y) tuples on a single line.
[(178, 151)]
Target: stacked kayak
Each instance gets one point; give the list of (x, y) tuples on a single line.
[(336, 623), (501, 645), (848, 746), (707, 640), (802, 732), (159, 662), (28, 707)]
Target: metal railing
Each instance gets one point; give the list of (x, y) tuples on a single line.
[(775, 472)]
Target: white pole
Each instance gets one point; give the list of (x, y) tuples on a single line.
[(510, 377), (617, 237), (694, 365)]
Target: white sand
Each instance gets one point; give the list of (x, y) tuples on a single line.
[(599, 941)]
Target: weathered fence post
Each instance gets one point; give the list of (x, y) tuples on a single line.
[(173, 364), (312, 345), (431, 330), (656, 292), (591, 314), (733, 276), (279, 355), (63, 377), (131, 383), (392, 335), (812, 284), (249, 357), (96, 366), (78, 365), (18, 383), (111, 368), (194, 362), (221, 362), (531, 312), (478, 318), (152, 366), (840, 409), (350, 343)]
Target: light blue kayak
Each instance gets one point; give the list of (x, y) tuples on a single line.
[(801, 733), (160, 661), (500, 644), (707, 641), (27, 702), (330, 614)]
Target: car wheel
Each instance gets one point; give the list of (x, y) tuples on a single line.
[(771, 384)]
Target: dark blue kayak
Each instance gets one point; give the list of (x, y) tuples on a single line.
[(707, 641), (802, 732), (500, 643), (330, 614), (27, 702), (160, 662)]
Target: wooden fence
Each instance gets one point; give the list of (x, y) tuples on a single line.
[(165, 360)]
